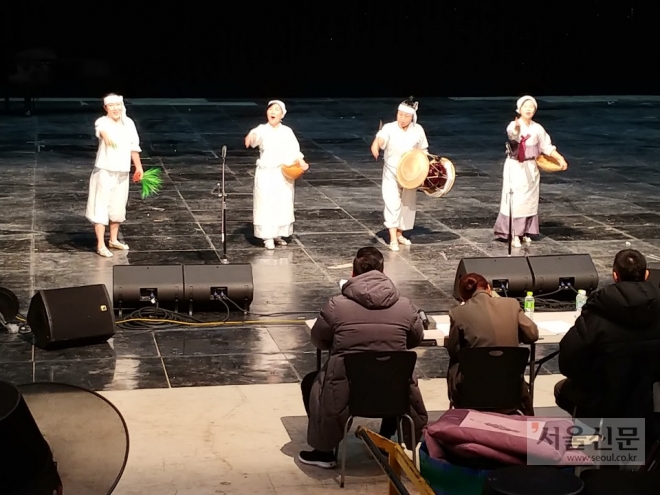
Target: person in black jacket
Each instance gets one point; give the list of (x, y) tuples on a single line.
[(609, 354), (369, 315)]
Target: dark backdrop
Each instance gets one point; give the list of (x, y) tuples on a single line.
[(435, 48)]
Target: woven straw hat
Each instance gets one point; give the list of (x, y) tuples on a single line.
[(413, 169)]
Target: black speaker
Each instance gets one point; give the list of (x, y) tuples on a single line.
[(9, 305), (210, 287), (508, 276), (558, 273), (70, 317), (136, 286)]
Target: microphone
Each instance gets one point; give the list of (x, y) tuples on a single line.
[(427, 322), (424, 318), (224, 152)]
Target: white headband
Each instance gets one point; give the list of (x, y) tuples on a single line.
[(409, 110), (521, 101), (110, 99), (280, 103)]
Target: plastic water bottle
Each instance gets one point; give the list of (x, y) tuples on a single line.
[(529, 305), (580, 299)]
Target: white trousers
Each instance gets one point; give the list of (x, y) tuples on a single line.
[(400, 204), (108, 196)]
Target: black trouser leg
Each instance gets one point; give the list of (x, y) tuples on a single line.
[(387, 427), (563, 396), (306, 388)]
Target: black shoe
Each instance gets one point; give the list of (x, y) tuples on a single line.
[(318, 458)]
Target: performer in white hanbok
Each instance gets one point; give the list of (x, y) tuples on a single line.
[(397, 138), (521, 174), (273, 192), (119, 143)]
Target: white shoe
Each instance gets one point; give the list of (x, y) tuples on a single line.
[(394, 246), (280, 242), (105, 252), (403, 240), (118, 245), (516, 242), (527, 240), (269, 244)]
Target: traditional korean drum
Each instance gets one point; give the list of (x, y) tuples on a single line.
[(440, 178), (292, 172), (548, 164)]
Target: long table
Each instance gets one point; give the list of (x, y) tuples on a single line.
[(552, 327)]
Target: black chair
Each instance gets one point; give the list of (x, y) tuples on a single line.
[(531, 480), (599, 482), (627, 374), (379, 387), (653, 455), (492, 378)]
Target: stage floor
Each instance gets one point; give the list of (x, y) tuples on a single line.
[(609, 196)]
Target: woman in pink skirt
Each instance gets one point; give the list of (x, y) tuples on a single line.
[(521, 182)]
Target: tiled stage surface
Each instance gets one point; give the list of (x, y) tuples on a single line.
[(608, 196)]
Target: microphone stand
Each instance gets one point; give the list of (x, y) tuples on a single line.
[(223, 258), (509, 154), (510, 219)]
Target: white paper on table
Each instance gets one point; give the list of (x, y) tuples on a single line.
[(440, 331), (341, 267), (436, 335), (554, 326)]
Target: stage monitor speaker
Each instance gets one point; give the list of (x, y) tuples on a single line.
[(558, 273), (70, 317), (508, 276), (137, 286), (213, 286), (9, 305)]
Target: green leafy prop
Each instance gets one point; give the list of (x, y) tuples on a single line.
[(151, 182)]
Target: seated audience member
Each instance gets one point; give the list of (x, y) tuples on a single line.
[(617, 331), (368, 315), (485, 321)]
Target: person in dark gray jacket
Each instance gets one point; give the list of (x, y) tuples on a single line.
[(368, 315)]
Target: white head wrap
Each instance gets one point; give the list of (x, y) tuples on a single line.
[(110, 99), (521, 101), (410, 110), (280, 103)]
